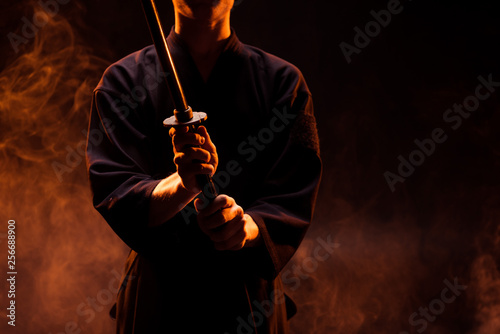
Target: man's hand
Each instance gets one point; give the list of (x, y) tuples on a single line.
[(194, 154), (226, 224)]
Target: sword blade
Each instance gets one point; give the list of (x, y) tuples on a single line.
[(165, 57)]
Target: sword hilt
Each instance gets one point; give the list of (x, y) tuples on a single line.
[(204, 181)]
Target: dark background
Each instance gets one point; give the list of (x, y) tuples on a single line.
[(395, 250)]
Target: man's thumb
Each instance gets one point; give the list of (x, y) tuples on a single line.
[(198, 205)]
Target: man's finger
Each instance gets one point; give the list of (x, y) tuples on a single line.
[(229, 230), (220, 202), (177, 130), (191, 155), (208, 145), (224, 223), (181, 141), (195, 169)]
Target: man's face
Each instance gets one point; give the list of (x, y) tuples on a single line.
[(203, 10)]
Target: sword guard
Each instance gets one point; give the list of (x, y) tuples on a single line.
[(198, 117)]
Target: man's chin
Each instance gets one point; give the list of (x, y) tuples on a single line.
[(199, 4), (205, 11)]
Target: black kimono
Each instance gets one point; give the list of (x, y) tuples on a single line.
[(260, 118)]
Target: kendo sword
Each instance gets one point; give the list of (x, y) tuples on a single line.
[(183, 114)]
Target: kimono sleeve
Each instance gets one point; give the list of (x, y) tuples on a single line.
[(119, 168), (284, 209)]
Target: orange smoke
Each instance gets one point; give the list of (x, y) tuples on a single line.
[(67, 258)]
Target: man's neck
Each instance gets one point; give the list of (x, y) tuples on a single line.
[(205, 40)]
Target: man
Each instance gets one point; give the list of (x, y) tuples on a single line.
[(194, 266)]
